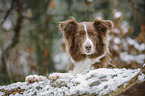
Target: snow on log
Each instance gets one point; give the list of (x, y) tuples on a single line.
[(99, 82)]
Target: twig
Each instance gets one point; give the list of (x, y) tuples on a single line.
[(135, 9), (9, 11)]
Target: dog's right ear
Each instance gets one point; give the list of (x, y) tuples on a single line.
[(68, 27)]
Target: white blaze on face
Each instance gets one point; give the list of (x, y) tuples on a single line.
[(87, 42)]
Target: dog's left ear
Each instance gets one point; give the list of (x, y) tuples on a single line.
[(103, 25), (68, 27)]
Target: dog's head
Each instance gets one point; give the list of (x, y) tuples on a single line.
[(85, 38)]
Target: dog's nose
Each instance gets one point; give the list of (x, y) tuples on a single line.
[(88, 47)]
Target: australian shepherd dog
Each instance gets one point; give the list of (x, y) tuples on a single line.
[(86, 43)]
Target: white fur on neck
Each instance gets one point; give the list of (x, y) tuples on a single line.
[(85, 65)]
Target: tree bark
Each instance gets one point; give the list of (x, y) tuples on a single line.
[(15, 39)]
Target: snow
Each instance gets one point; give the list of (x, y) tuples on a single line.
[(117, 14), (117, 31), (1, 93), (115, 47), (125, 45), (129, 49), (141, 77), (116, 40), (128, 58), (130, 41), (7, 24), (100, 81), (143, 65), (140, 47), (125, 27), (133, 42)]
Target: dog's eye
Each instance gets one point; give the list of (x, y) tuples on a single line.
[(93, 34), (78, 35)]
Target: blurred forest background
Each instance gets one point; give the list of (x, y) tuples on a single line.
[(30, 42)]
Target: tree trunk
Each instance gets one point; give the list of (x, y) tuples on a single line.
[(15, 39)]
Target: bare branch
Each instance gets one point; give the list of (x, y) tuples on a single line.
[(17, 27), (135, 10), (9, 11)]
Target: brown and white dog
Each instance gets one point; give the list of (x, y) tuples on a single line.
[(86, 43)]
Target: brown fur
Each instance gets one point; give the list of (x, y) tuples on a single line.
[(74, 34), (104, 62), (71, 66)]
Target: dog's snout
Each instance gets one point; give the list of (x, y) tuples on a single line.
[(88, 47)]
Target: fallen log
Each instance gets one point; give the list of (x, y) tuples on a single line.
[(99, 82)]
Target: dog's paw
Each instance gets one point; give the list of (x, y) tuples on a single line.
[(55, 76), (34, 78)]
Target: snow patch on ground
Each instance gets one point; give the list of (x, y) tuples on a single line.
[(133, 42), (128, 58), (100, 81), (1, 93)]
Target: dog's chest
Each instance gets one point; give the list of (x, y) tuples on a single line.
[(85, 65)]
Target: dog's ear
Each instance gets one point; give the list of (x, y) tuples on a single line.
[(68, 27), (103, 25)]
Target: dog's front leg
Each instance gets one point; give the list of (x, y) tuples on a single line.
[(34, 78), (55, 76)]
